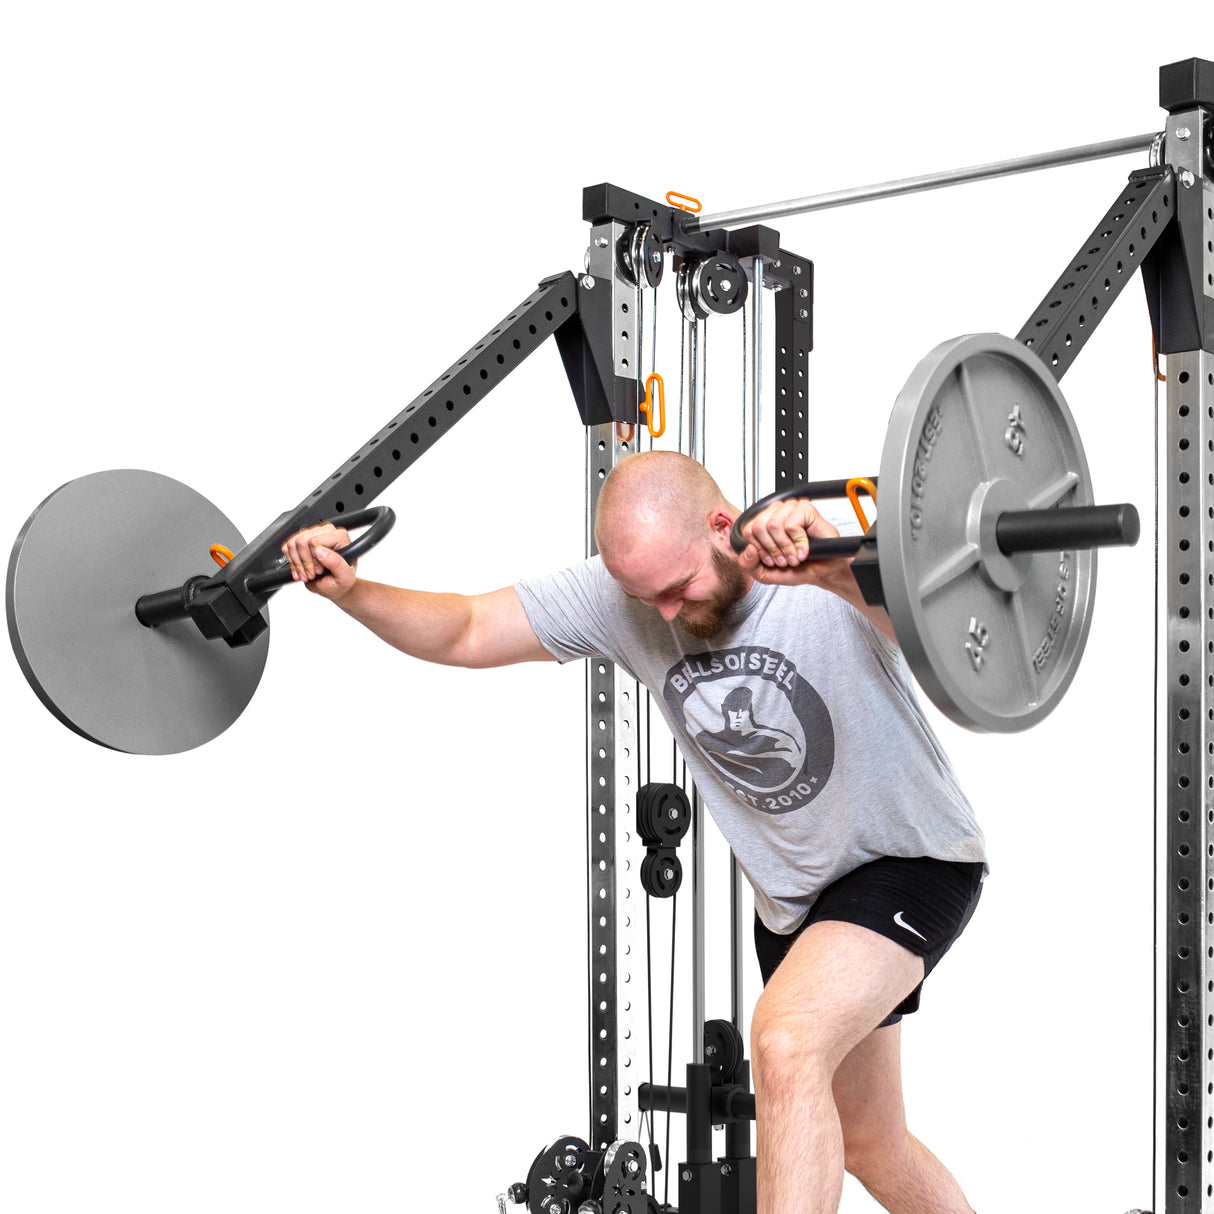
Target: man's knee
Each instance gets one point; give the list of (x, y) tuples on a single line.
[(792, 1049)]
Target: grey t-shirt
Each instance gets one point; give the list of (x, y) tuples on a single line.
[(799, 723)]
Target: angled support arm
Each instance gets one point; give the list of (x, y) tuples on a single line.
[(225, 607), (1120, 243)]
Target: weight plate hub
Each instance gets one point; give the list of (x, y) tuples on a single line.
[(981, 428), (77, 568)]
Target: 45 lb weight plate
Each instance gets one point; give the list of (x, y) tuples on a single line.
[(980, 430)]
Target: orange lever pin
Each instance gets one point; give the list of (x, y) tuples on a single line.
[(860, 482), (221, 555), (692, 205), (647, 405)]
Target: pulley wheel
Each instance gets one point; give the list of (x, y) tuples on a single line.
[(663, 814), (77, 568), (981, 428), (556, 1182)]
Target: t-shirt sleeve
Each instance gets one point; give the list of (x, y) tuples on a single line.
[(889, 651), (570, 611)]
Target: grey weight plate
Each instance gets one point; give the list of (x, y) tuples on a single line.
[(77, 568), (981, 427)]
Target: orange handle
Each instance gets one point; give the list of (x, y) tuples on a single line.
[(221, 555), (692, 205), (860, 482), (646, 406)]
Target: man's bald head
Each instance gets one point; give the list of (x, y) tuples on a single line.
[(655, 493)]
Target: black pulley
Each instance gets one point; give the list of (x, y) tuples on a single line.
[(560, 1176), (663, 814), (723, 1048), (661, 873)]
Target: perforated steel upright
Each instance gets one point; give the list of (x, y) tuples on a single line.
[(617, 1023), (1184, 1174)]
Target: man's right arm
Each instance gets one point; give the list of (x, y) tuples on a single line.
[(454, 629)]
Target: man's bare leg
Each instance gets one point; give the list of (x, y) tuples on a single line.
[(838, 982), (893, 1165)]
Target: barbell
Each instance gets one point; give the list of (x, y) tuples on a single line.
[(984, 548)]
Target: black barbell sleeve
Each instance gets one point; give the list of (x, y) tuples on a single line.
[(1073, 527)]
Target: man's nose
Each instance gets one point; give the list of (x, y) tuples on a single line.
[(670, 607)]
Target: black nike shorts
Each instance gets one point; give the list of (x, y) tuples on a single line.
[(922, 904)]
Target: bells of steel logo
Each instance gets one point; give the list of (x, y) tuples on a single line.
[(757, 721)]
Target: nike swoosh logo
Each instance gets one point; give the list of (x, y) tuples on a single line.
[(901, 922)]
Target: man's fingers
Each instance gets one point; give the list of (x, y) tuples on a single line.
[(336, 574), (301, 550), (294, 550), (334, 562), (779, 533)]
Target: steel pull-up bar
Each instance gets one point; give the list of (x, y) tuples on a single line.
[(916, 185)]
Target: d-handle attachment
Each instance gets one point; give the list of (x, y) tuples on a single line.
[(163, 606), (378, 520)]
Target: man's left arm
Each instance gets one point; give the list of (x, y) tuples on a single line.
[(779, 542)]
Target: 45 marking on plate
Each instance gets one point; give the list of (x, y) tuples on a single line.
[(975, 646)]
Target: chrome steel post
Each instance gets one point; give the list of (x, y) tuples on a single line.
[(618, 1033), (1184, 1105), (697, 927)]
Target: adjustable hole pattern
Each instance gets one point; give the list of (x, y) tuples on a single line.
[(444, 402)]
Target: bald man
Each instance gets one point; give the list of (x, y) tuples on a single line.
[(798, 718)]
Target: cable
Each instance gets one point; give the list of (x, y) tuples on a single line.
[(682, 369), (702, 395), (674, 920), (649, 997), (745, 498)]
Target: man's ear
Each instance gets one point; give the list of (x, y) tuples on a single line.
[(720, 523)]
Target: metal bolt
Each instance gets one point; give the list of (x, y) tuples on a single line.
[(1183, 132), (726, 1170), (571, 1161), (710, 1051), (655, 258), (668, 873), (632, 1167), (588, 281), (672, 813), (1187, 179), (601, 242), (686, 1175), (795, 269), (804, 314)]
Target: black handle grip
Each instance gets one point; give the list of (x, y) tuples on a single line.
[(1073, 527), (820, 549), (378, 520)]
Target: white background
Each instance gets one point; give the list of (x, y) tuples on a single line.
[(333, 960)]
